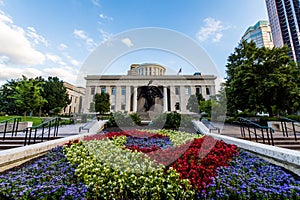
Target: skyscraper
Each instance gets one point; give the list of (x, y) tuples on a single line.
[(284, 17), (260, 33)]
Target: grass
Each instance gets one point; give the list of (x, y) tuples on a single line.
[(35, 120)]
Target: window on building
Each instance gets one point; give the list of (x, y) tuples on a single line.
[(207, 91), (112, 107), (150, 71), (92, 107), (176, 90), (93, 90), (198, 90), (177, 106), (123, 90), (123, 107), (103, 89), (113, 90), (187, 90)]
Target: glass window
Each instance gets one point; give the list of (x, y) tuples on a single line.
[(198, 90), (112, 107), (123, 90), (207, 91), (92, 90), (103, 89), (123, 107), (177, 90), (187, 90), (113, 90)]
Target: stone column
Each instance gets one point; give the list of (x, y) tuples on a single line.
[(118, 98), (173, 97), (165, 99), (127, 99), (135, 99), (182, 99), (193, 89)]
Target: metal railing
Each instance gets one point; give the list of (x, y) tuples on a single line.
[(250, 127), (14, 121), (286, 130), (210, 125), (42, 130)]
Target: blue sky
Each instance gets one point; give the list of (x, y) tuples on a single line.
[(56, 37)]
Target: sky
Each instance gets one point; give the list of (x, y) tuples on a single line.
[(60, 37)]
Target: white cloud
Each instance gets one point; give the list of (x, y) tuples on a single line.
[(62, 46), (96, 3), (75, 62), (211, 30), (64, 73), (80, 34), (127, 42), (8, 73), (37, 39), (105, 35), (55, 59), (15, 45), (102, 16)]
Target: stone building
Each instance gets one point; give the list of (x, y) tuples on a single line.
[(76, 95), (146, 87)]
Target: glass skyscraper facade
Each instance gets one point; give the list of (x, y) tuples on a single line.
[(284, 17), (260, 33)]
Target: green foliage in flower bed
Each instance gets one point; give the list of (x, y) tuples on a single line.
[(116, 173), (177, 137)]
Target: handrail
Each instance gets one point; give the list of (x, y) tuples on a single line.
[(14, 129), (210, 125), (84, 127), (250, 124), (283, 121), (47, 124)]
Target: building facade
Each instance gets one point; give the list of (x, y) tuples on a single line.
[(146, 87), (284, 17), (76, 95), (260, 33)]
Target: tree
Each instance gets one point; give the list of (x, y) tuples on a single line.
[(27, 95), (193, 104), (261, 80), (102, 103), (7, 104), (56, 95)]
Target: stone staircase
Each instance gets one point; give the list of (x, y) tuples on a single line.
[(279, 140), (18, 141)]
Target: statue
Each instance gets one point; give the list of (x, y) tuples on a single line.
[(149, 93)]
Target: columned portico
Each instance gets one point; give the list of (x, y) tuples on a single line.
[(124, 90)]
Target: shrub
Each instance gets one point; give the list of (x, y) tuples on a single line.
[(136, 118), (172, 120)]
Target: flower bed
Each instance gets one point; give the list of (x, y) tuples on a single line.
[(149, 165)]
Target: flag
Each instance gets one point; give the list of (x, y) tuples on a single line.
[(179, 71)]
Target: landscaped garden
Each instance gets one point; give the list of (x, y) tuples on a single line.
[(160, 164)]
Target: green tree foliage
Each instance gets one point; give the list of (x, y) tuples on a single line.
[(27, 96), (56, 95), (193, 104), (7, 104), (102, 103), (262, 80)]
